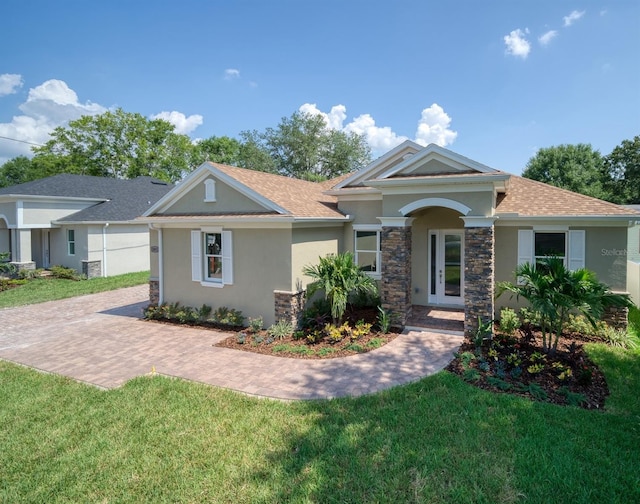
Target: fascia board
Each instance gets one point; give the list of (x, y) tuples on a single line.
[(9, 198), (569, 220), (441, 154), (197, 176), (375, 164)]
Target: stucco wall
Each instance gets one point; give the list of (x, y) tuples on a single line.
[(37, 213), (261, 264), (154, 254), (227, 200), (8, 211), (480, 202), (633, 281), (602, 255), (363, 212), (59, 251), (127, 247), (308, 246)]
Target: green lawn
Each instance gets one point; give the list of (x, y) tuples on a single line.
[(439, 440), (48, 289)]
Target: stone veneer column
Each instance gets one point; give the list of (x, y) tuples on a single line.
[(154, 292), (395, 286), (289, 306), (479, 272), (616, 317)]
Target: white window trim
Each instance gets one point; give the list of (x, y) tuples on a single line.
[(69, 242), (198, 258), (377, 275), (209, 191), (575, 250)]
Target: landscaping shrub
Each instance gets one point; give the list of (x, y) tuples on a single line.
[(65, 273), (280, 330), (509, 321)]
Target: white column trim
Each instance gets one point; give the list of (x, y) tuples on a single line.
[(396, 221), (478, 222)]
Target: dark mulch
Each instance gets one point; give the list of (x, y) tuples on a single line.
[(301, 349), (568, 377)]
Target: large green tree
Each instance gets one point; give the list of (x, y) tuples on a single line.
[(577, 168), (120, 144), (304, 146), (224, 149), (623, 167)]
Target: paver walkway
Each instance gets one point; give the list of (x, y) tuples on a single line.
[(100, 339)]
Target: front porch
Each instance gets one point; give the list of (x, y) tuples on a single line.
[(437, 319)]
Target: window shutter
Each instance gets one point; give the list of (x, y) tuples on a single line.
[(576, 251), (525, 246), (227, 258), (196, 256)]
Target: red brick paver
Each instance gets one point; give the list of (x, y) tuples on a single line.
[(100, 339)]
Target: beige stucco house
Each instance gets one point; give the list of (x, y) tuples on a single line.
[(80, 222), (434, 227)]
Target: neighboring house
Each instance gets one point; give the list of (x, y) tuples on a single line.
[(81, 222), (434, 227), (633, 256)]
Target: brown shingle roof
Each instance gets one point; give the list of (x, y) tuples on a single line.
[(299, 197), (531, 198)]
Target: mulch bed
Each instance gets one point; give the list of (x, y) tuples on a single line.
[(567, 378)]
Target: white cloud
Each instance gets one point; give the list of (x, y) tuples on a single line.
[(48, 105), (183, 124), (517, 44), (433, 127), (231, 73), (573, 17), (546, 38), (10, 83)]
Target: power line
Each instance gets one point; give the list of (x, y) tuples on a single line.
[(21, 141)]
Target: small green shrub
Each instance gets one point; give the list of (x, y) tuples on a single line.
[(572, 398), (528, 316), (536, 368), (617, 337), (64, 273), (28, 274), (355, 347), (537, 392), (466, 358), (483, 331), (362, 328), (335, 334), (281, 329), (498, 383), (375, 343), (384, 320), (256, 324), (204, 312), (471, 375), (228, 316), (509, 321), (241, 338)]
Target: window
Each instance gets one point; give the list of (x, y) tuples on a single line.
[(211, 257), (549, 244), (209, 191), (569, 245), (71, 242), (367, 250)]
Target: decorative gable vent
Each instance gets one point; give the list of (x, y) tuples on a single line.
[(209, 191)]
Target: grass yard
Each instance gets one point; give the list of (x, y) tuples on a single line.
[(437, 441), (39, 290)]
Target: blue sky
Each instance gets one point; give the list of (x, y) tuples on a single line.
[(493, 81)]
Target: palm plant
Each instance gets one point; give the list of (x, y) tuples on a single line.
[(339, 276), (554, 292)]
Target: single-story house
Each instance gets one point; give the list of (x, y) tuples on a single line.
[(434, 227), (78, 221)]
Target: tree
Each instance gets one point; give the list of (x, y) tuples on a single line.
[(554, 291), (338, 276), (623, 167), (303, 146), (122, 145), (577, 168), (15, 171), (222, 149)]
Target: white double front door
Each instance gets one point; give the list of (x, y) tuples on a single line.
[(446, 266)]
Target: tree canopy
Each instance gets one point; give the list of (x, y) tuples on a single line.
[(623, 167), (577, 168), (126, 145), (304, 146)]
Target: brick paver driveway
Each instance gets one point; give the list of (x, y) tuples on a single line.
[(100, 339)]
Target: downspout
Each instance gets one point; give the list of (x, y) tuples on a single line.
[(104, 249)]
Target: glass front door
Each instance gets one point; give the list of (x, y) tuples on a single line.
[(446, 267)]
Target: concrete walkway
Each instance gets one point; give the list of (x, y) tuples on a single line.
[(100, 339)]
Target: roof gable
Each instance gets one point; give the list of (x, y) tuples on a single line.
[(276, 194)]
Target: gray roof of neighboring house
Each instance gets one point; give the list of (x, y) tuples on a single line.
[(124, 200)]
